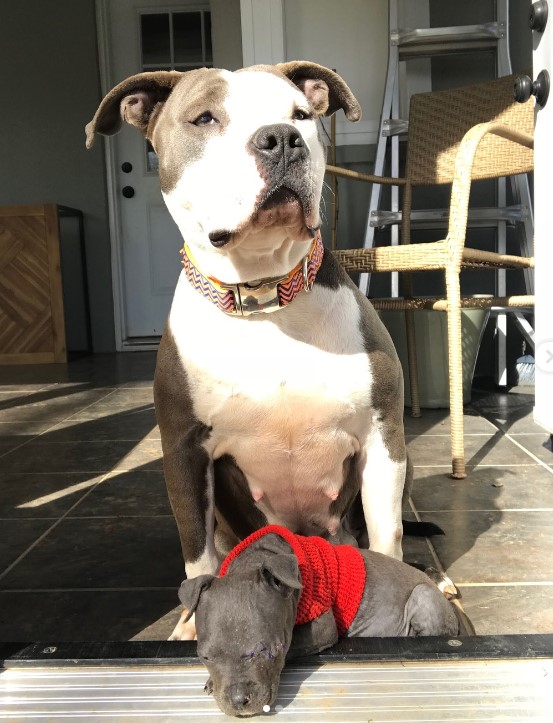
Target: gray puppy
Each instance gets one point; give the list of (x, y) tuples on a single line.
[(282, 595)]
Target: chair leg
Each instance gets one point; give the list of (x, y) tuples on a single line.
[(412, 362), (406, 285), (455, 359)]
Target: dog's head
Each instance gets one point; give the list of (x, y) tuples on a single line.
[(244, 624), (239, 152)]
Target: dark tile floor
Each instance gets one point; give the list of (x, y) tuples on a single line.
[(89, 549)]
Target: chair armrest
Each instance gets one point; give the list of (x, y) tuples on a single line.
[(460, 189), (380, 180)]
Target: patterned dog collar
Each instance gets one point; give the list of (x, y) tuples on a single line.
[(265, 295)]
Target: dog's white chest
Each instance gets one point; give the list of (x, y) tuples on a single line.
[(285, 397)]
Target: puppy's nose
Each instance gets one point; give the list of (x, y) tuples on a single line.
[(278, 142), (240, 694)]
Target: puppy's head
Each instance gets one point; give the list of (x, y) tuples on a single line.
[(239, 153), (244, 624)]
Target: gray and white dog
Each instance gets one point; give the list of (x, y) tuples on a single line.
[(281, 596), (266, 418)]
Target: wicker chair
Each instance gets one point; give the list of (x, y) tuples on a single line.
[(454, 137)]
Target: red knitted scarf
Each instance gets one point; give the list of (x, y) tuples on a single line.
[(332, 576)]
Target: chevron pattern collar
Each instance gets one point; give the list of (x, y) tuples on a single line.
[(265, 295)]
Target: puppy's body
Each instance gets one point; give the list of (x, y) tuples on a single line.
[(246, 619), (284, 417)]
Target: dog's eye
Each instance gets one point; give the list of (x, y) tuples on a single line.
[(204, 119), (300, 114)]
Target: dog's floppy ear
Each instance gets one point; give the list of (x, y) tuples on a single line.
[(323, 88), (190, 591), (134, 100), (281, 572)]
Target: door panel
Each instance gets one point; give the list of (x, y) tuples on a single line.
[(149, 35)]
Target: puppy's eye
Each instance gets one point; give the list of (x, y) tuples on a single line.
[(205, 119), (300, 114)]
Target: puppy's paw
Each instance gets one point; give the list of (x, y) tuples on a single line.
[(208, 687), (184, 630)]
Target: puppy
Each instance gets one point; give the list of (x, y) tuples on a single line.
[(282, 594)]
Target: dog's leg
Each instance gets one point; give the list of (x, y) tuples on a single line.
[(192, 503), (384, 471), (313, 637), (188, 470)]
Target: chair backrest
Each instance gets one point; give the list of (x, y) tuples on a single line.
[(439, 120)]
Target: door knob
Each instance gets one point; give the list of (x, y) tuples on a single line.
[(126, 167), (524, 88), (538, 16), (127, 191)]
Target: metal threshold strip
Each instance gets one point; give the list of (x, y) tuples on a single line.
[(378, 679)]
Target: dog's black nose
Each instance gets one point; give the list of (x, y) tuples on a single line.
[(279, 142), (240, 694)]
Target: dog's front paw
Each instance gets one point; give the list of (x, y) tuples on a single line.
[(208, 687), (444, 583), (184, 629)]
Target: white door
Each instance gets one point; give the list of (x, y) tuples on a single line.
[(543, 153), (146, 35)]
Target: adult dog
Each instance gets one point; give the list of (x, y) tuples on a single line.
[(278, 391)]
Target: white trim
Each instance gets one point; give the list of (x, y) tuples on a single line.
[(364, 132), (104, 61), (263, 33)]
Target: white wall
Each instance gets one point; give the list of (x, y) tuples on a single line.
[(352, 37), (50, 88), (226, 34)]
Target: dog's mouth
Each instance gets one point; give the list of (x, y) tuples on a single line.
[(280, 196), (285, 206), (279, 206)]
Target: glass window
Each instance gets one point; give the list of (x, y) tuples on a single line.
[(174, 41), (187, 34), (156, 39)]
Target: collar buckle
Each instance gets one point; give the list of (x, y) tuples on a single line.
[(260, 298)]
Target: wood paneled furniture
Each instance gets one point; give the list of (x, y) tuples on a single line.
[(32, 327)]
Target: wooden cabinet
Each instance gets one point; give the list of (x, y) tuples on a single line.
[(32, 328)]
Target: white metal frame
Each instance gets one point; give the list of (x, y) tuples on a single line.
[(263, 31), (106, 83)]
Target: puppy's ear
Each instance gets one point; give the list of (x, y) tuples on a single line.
[(135, 100), (281, 572), (323, 88), (190, 591)]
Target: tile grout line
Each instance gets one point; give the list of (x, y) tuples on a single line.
[(97, 472), (22, 518), (485, 466), (447, 436), (65, 419), (431, 548), (533, 583), (89, 589), (530, 454), (495, 509), (45, 534), (520, 446)]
